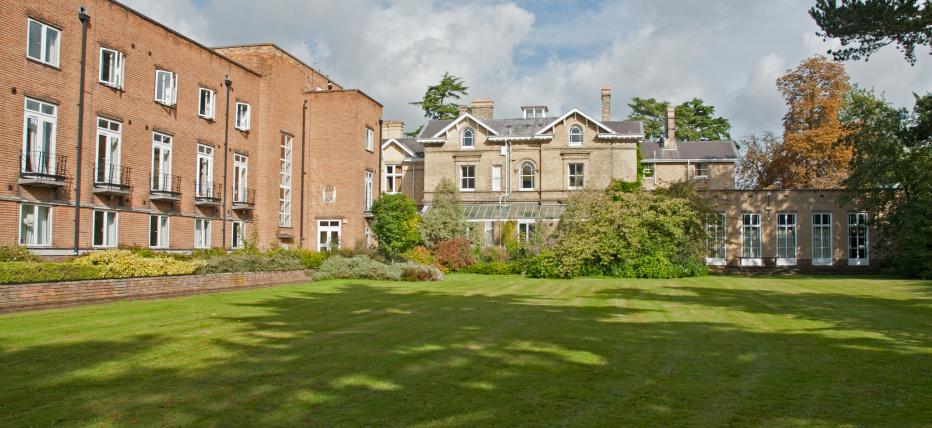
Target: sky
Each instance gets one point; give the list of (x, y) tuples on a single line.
[(549, 52)]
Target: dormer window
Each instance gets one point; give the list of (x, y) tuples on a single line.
[(467, 139), (576, 135), (533, 112)]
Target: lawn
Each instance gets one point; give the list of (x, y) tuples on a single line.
[(479, 350)]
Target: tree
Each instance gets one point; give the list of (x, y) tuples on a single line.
[(438, 102), (891, 176), (444, 220), (758, 153), (813, 155), (865, 26), (694, 119), (395, 223)]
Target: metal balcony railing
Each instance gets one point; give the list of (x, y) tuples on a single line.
[(244, 198), (165, 184), (45, 165), (112, 176), (208, 193)]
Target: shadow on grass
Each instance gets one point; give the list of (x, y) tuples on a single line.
[(364, 354)]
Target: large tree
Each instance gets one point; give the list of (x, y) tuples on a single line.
[(444, 220), (694, 119), (439, 102), (864, 26), (757, 166), (395, 223)]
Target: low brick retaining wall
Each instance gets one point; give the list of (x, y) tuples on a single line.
[(20, 297)]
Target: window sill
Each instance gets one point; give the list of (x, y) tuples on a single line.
[(38, 246), (165, 104), (467, 190), (700, 177), (527, 190), (209, 119), (44, 64), (111, 86)]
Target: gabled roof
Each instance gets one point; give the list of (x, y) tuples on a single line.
[(528, 129), (711, 151), (408, 145), (570, 113), (463, 117)]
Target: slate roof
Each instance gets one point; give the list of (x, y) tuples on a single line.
[(690, 150), (410, 143), (529, 127)]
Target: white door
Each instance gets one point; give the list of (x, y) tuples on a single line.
[(108, 151), (328, 232), (240, 177), (822, 239), (786, 239), (205, 170), (161, 162)]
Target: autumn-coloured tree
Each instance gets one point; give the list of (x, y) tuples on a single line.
[(756, 167), (814, 154)]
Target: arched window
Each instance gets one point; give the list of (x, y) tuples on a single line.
[(467, 138), (527, 175), (576, 135)]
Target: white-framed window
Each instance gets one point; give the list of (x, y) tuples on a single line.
[(575, 135), (158, 231), (857, 239), (525, 230), (328, 234), (40, 121), (284, 183), (205, 103), (715, 243), (105, 228), (527, 175), (367, 191), (750, 240), (35, 225), (534, 112), (238, 232), (329, 194), (205, 171), (488, 233), (786, 239), (240, 177), (393, 176), (202, 233), (648, 170), (161, 162), (702, 170), (111, 68), (467, 178), (576, 175), (243, 111), (166, 87), (370, 137), (468, 139), (109, 135), (43, 42), (496, 178), (822, 239)]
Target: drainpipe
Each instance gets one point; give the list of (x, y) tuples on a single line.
[(85, 19), (303, 144), (226, 148)]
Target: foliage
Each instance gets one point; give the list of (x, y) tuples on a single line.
[(492, 254), (120, 263), (417, 272), (17, 253), (495, 268), (444, 220), (420, 255), (694, 119), (865, 26), (436, 102), (364, 267), (310, 259), (756, 166), (251, 262), (395, 224), (454, 254), (20, 272), (891, 176)]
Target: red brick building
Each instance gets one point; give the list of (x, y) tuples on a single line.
[(181, 146)]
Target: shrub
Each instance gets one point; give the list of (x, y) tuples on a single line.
[(19, 272), (544, 265), (208, 253), (126, 264), (418, 272), (395, 223), (420, 255), (495, 268), (493, 254), (454, 254), (16, 253), (309, 258), (251, 262), (364, 267), (444, 220)]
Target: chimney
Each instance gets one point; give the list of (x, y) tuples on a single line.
[(482, 109), (393, 129), (463, 109), (606, 103), (669, 142)]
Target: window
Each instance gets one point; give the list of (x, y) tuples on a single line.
[(393, 177), (158, 231), (857, 239), (205, 171), (576, 176), (161, 162), (370, 135), (534, 112), (750, 240), (648, 170), (702, 170), (107, 169), (35, 225), (527, 176), (786, 239), (468, 139), (242, 116), (467, 178), (205, 103), (201, 233), (111, 68), (330, 194), (496, 178), (284, 184), (525, 230), (822, 239), (39, 125), (328, 232), (105, 229), (576, 135), (238, 230), (715, 243), (42, 43), (166, 87), (240, 177), (367, 196)]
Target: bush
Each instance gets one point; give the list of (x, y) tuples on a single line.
[(24, 272), (417, 272), (444, 220), (544, 265), (454, 254), (395, 223), (309, 258), (364, 267), (420, 255), (126, 264), (208, 253), (251, 262), (493, 254), (495, 268), (16, 253)]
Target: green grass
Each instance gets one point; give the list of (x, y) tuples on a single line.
[(477, 350)]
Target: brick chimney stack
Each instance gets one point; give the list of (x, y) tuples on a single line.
[(482, 109), (606, 103), (393, 129), (669, 141), (463, 109)]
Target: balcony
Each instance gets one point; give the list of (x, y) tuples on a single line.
[(207, 194), (42, 169), (244, 199), (164, 187), (112, 180)]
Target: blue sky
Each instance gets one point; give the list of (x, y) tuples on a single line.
[(557, 53)]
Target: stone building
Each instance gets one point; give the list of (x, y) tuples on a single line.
[(402, 162)]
